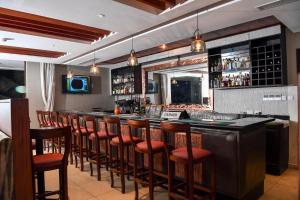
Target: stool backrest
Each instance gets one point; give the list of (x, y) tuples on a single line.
[(140, 124), (75, 124), (89, 119), (174, 128), (63, 120), (54, 118), (46, 117), (40, 118), (113, 121), (52, 133)]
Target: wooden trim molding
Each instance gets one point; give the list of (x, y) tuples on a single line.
[(26, 23), (151, 6), (30, 52)]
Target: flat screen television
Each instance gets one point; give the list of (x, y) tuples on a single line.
[(76, 84), (12, 84)]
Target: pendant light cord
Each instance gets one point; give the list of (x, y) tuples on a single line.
[(132, 43), (197, 20)]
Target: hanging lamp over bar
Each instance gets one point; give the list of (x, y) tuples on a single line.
[(94, 68), (132, 60), (198, 45)]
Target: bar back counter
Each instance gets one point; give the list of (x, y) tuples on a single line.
[(238, 145)]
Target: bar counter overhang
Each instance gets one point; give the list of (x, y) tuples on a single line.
[(238, 145)]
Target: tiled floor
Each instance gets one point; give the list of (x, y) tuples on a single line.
[(84, 187)]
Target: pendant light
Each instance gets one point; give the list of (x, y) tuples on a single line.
[(132, 60), (198, 45), (94, 68), (69, 74)]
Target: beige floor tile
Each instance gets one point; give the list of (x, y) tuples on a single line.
[(82, 186)]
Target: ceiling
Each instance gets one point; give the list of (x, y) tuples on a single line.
[(127, 21)]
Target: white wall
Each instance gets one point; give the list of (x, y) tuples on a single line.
[(66, 101), (33, 91)]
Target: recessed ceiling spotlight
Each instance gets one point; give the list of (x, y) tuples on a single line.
[(101, 15), (164, 46), (7, 39)]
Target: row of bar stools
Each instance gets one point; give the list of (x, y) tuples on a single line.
[(120, 143), (150, 147), (188, 156), (80, 135), (94, 152)]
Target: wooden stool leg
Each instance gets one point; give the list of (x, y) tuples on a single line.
[(76, 150), (86, 146), (65, 183), (171, 172), (106, 154), (98, 160), (72, 149), (135, 171), (122, 168), (81, 152), (127, 162), (213, 178), (191, 181), (151, 178), (111, 166), (89, 153)]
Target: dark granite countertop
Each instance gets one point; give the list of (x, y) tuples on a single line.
[(237, 124)]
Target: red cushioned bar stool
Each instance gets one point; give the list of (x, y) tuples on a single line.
[(149, 176), (119, 143), (80, 140), (94, 152), (188, 156), (50, 161)]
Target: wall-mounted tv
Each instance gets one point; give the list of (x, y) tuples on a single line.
[(76, 84), (12, 84)]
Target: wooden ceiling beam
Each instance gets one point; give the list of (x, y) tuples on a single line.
[(30, 52), (21, 22), (151, 6)]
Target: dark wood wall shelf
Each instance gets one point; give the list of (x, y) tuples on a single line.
[(265, 58), (126, 80)]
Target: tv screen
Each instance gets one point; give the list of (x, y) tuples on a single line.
[(76, 84), (12, 84)]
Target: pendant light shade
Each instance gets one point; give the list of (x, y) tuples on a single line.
[(198, 45), (94, 68), (132, 60), (69, 74)]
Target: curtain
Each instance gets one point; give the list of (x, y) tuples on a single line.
[(48, 85), (164, 88)]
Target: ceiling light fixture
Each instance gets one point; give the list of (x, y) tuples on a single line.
[(104, 37), (69, 74), (198, 45), (132, 60), (164, 46), (121, 41), (101, 15), (94, 68), (7, 39)]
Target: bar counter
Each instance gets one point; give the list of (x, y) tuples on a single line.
[(238, 145)]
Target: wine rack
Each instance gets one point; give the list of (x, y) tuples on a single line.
[(264, 64), (126, 80)]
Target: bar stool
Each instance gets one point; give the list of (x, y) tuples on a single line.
[(150, 147), (40, 118), (94, 153), (188, 156), (119, 143), (80, 135), (51, 161), (63, 121)]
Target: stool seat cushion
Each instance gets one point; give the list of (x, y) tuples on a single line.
[(126, 140), (47, 161), (157, 146), (101, 135), (182, 154), (83, 130)]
